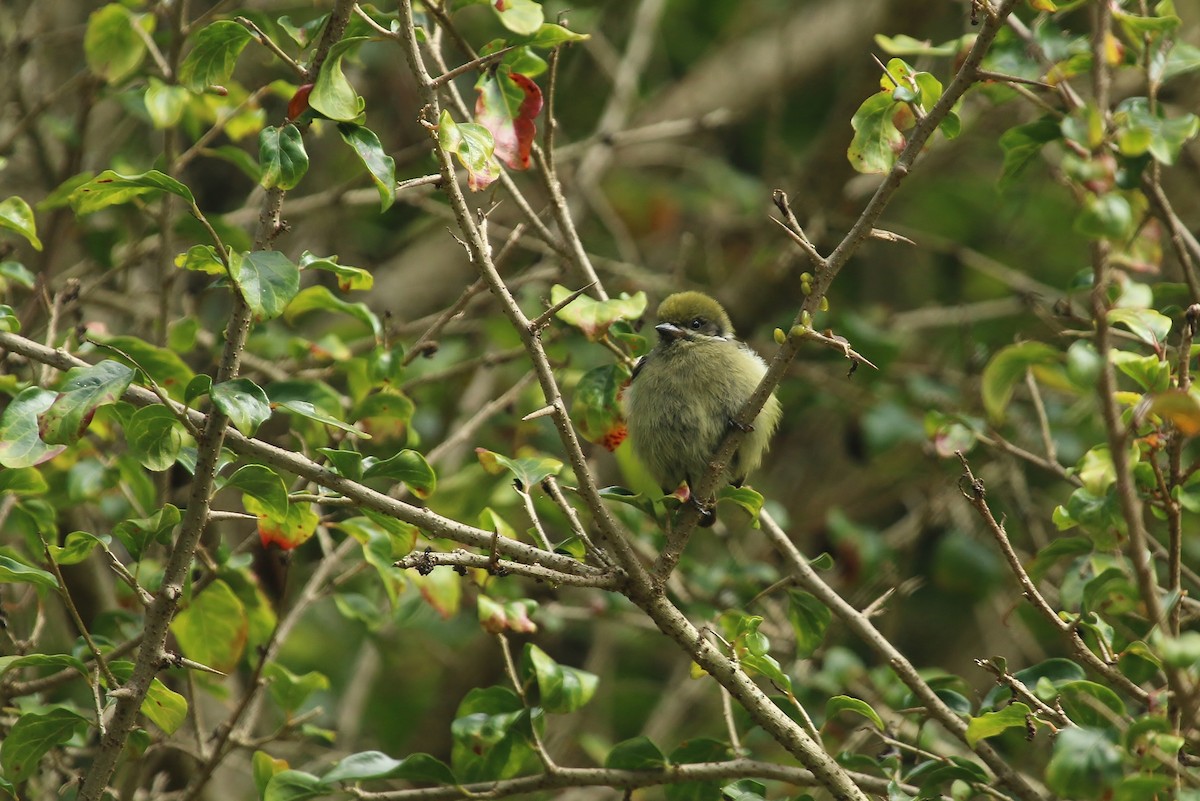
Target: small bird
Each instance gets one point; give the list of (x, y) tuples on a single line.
[(686, 391)]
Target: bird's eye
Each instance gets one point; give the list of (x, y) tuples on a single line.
[(697, 323)]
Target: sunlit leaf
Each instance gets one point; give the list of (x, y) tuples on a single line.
[(472, 143), (15, 215), (332, 94), (212, 629), (114, 49), (110, 188)]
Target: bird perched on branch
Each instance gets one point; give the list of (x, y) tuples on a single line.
[(686, 391)]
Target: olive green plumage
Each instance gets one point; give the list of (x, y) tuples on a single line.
[(686, 391)]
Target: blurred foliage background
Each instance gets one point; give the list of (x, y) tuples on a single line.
[(677, 119)]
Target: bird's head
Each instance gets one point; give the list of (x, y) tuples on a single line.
[(691, 315)]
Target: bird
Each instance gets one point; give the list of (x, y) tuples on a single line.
[(685, 393)]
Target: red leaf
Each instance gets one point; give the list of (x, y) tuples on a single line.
[(507, 105), (299, 102)]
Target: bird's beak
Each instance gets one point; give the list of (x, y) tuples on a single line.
[(669, 331)]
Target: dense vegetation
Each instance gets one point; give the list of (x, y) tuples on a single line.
[(314, 321)]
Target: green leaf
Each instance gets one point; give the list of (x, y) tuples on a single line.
[(239, 158), (638, 753), (213, 55), (379, 164), (14, 572), (111, 188), (84, 390), (594, 317), (155, 437), (17, 273), (747, 499), (114, 49), (165, 103), (595, 408), (281, 156), (137, 534), (213, 628), (77, 546), (164, 707), (1055, 671), (360, 766), (1106, 216), (1022, 144), (267, 280), (522, 17), (22, 481), (1137, 26), (386, 415), (32, 736), (244, 402), (491, 736), (472, 143), (56, 661), (290, 691), (902, 45), (1084, 764), (548, 36), (288, 532), (1091, 705), (21, 444), (164, 366), (319, 297), (877, 142), (345, 463), (809, 618), (332, 94), (691, 751), (560, 688), (264, 485), (348, 278), (294, 785), (306, 409), (376, 765), (1147, 325), (845, 703), (1008, 367), (15, 215), (931, 775), (529, 471), (1060, 548), (407, 466), (1182, 59), (989, 724), (201, 258), (1151, 373)]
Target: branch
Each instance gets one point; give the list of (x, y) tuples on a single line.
[(289, 461), (425, 562), (973, 490), (628, 779), (808, 579)]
